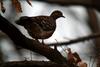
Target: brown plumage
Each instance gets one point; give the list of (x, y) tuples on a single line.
[(40, 27)]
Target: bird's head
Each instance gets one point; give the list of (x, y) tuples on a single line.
[(22, 21), (56, 14)]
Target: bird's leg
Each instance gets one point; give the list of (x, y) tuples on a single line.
[(43, 41), (37, 40)]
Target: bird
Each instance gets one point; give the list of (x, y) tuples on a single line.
[(42, 26)]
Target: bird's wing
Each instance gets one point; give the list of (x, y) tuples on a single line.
[(45, 22)]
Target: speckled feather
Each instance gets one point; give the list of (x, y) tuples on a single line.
[(40, 27), (45, 22)]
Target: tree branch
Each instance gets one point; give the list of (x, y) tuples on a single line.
[(86, 3), (93, 36), (33, 64), (94, 25), (1, 56), (20, 40)]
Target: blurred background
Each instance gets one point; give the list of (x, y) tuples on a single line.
[(75, 25)]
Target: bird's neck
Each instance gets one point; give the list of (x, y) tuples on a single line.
[(54, 16)]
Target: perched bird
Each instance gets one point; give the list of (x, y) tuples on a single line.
[(40, 27)]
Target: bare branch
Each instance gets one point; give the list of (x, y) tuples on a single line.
[(93, 36), (33, 64), (28, 1), (86, 3)]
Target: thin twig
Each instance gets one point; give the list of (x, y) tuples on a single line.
[(81, 39)]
